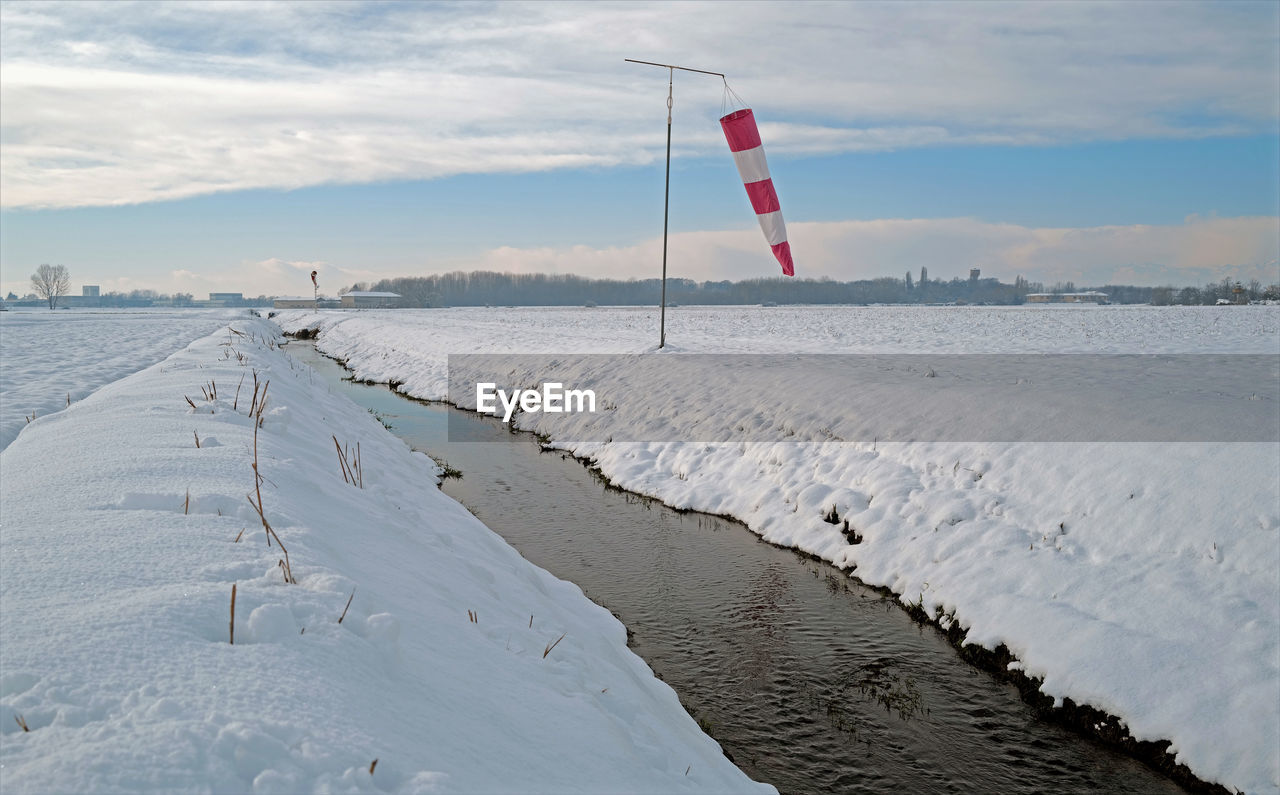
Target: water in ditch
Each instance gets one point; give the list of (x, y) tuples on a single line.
[(809, 681)]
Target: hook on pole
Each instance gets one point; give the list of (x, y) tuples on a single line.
[(671, 76)]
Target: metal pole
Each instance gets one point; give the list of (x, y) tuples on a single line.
[(666, 204), (666, 196), (670, 66)]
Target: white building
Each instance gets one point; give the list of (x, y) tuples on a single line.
[(293, 302), (360, 299), (1090, 297)]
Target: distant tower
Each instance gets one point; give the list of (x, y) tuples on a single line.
[(908, 280), (974, 273), (924, 276)]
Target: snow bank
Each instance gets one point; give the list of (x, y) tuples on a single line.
[(48, 358), (1140, 579), (122, 540)]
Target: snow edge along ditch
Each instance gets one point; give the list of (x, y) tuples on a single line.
[(122, 538), (1159, 623)]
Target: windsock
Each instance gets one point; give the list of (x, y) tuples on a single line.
[(748, 153), (313, 279)]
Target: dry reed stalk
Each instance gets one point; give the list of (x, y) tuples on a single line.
[(233, 614), (22, 722), (68, 398), (352, 466), (271, 533), (254, 403), (344, 610), (284, 564), (197, 435), (266, 526), (551, 646), (236, 403), (257, 480), (262, 404), (237, 541), (342, 460), (189, 402), (531, 621), (186, 505), (372, 765)]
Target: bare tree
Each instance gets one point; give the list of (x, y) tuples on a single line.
[(51, 282)]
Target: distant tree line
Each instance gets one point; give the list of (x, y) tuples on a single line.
[(1214, 293), (489, 288), (131, 299), (152, 298)]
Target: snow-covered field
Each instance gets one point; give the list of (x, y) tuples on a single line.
[(1140, 578), (46, 357), (121, 544)]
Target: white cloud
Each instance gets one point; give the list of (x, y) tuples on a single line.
[(116, 104)]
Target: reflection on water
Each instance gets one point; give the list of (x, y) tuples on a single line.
[(808, 680)]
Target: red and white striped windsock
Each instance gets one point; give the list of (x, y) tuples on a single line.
[(748, 153)]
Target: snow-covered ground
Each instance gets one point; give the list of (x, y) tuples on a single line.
[(47, 357), (122, 540), (1140, 578)]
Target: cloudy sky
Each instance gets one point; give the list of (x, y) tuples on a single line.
[(237, 146)]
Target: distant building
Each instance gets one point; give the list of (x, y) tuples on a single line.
[(360, 299), (1089, 297), (225, 299), (974, 273), (293, 302), (89, 297)]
